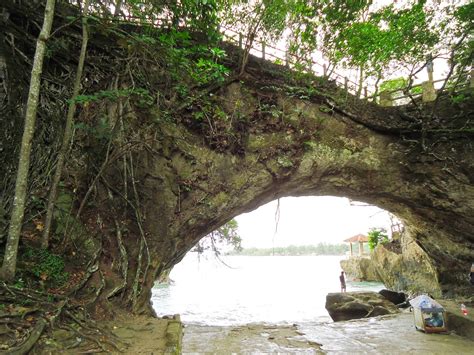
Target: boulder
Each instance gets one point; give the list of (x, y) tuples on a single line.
[(397, 298), (355, 305), (359, 269)]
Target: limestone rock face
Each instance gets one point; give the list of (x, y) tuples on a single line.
[(360, 269), (355, 305), (411, 270), (171, 177)]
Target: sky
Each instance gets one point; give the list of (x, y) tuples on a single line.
[(308, 221)]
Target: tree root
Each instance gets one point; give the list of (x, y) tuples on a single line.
[(29, 313), (32, 339)]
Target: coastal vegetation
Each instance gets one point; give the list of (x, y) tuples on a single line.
[(377, 236), (294, 250), (222, 238)]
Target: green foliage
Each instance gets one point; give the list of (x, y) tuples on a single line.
[(207, 71), (460, 31), (359, 34), (399, 84), (47, 266), (375, 38), (377, 236), (19, 283), (229, 233), (264, 19), (457, 99), (198, 14), (417, 90), (186, 63), (394, 84), (224, 237)]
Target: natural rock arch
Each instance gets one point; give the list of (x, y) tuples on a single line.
[(270, 136), (303, 147)]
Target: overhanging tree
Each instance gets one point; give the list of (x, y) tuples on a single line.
[(356, 35), (265, 20)]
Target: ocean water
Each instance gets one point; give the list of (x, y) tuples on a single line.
[(252, 289)]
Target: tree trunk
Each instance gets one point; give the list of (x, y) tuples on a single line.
[(376, 87), (250, 39), (9, 261), (67, 132), (361, 81)]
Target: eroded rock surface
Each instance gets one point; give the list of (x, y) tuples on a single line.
[(360, 269), (245, 339), (356, 305), (410, 270), (179, 169)]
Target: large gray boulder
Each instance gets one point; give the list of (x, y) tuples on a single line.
[(355, 305)]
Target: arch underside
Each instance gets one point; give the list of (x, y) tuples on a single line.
[(305, 150)]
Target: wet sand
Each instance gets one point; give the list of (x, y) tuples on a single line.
[(380, 335)]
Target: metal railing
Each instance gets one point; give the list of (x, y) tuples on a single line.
[(427, 90), (290, 60), (279, 56), (386, 98)]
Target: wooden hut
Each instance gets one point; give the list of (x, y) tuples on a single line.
[(357, 239)]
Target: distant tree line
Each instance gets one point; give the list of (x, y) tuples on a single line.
[(319, 249)]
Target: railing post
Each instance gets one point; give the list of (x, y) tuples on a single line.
[(429, 67), (325, 70), (287, 59), (365, 92), (241, 39), (263, 50), (471, 84), (429, 92), (386, 99), (346, 83)]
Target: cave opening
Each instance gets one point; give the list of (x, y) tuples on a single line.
[(292, 250)]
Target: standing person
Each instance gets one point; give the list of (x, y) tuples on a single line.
[(343, 282)]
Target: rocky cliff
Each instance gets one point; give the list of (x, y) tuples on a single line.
[(155, 166), (360, 269), (401, 265), (409, 269)]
